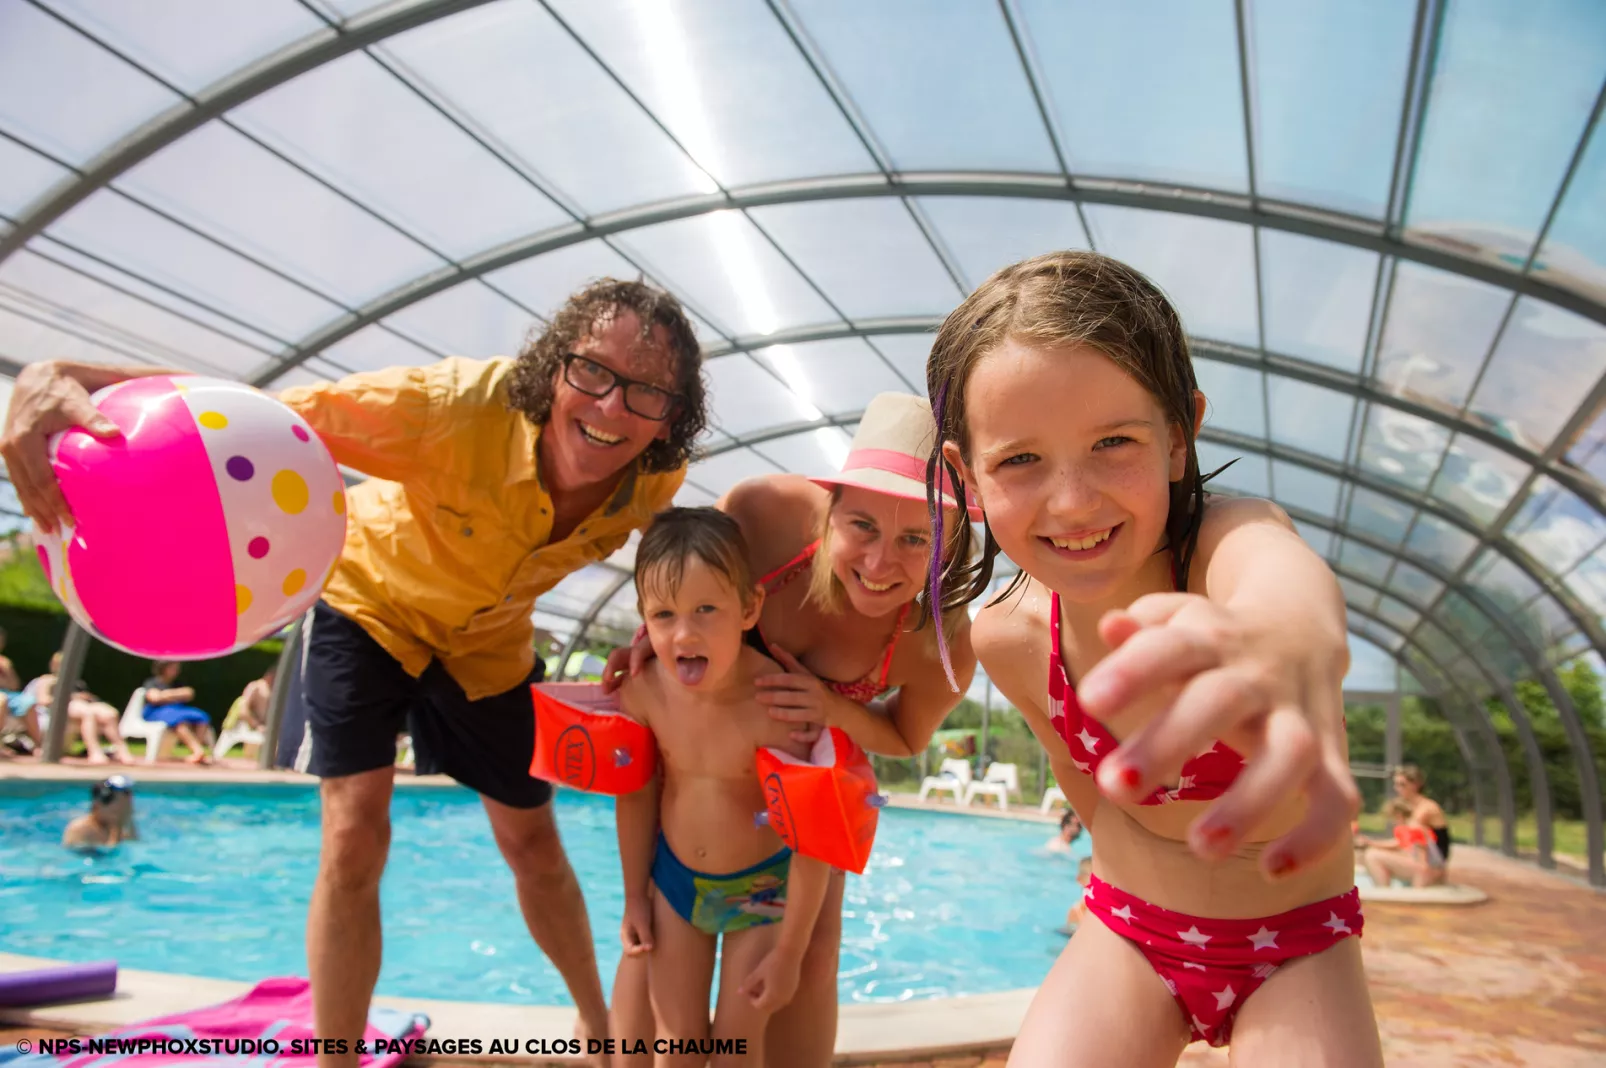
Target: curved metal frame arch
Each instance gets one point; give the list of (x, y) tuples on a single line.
[(1538, 780), (1578, 742), (1264, 361), (915, 184), (221, 96), (1505, 805)]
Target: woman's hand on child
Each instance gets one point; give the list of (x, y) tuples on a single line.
[(772, 984), (635, 930), (1271, 696), (626, 662), (797, 696)]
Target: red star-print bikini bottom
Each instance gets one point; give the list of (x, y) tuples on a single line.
[(1212, 966)]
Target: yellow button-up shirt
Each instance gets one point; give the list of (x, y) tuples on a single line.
[(448, 543)]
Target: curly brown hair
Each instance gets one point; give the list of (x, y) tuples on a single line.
[(535, 375)]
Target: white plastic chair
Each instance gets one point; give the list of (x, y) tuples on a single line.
[(1000, 781), (953, 777), (135, 725), (1050, 796), (235, 736)]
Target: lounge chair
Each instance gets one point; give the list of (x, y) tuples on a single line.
[(234, 736), (154, 732), (1000, 781), (1050, 796), (953, 776)]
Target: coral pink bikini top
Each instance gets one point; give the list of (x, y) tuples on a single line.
[(1204, 777)]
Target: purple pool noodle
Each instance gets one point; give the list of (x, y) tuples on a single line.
[(66, 982)]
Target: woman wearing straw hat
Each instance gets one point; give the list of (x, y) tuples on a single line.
[(843, 558)]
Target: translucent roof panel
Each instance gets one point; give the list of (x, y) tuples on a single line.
[(63, 93), (868, 256), (986, 233), (479, 63), (727, 81), (1342, 200), (834, 377), (192, 43), (357, 126), (1439, 330), (1318, 298), (1167, 84), (295, 224), (24, 175), (952, 96), (1206, 266), (1345, 63), (1512, 91), (730, 270)]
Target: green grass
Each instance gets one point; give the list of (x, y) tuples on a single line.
[(1569, 835)]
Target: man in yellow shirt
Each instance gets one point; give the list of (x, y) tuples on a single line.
[(491, 481)]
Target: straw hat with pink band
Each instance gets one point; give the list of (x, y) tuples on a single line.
[(890, 450)]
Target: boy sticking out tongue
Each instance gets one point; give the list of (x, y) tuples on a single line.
[(709, 871)]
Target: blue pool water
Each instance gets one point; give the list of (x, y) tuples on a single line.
[(218, 886)]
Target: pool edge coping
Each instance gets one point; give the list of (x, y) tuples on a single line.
[(867, 1031)]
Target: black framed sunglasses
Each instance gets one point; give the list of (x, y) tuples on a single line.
[(641, 398)]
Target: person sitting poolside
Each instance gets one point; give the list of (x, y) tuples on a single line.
[(1386, 860), (170, 704), (110, 819), (15, 701), (250, 709), (1070, 831), (90, 715)]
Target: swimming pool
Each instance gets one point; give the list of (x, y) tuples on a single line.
[(218, 886)]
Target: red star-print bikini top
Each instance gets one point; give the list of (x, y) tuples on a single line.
[(1204, 777)]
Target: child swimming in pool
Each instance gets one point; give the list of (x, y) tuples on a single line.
[(711, 874), (109, 821), (1180, 657)]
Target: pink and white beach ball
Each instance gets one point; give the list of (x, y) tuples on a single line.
[(211, 523)]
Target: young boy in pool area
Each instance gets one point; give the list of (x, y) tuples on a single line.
[(712, 874)]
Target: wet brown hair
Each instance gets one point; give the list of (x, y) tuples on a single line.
[(680, 535), (1412, 775), (535, 375), (1055, 300)]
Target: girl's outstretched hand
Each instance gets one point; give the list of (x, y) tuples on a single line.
[(1272, 695)]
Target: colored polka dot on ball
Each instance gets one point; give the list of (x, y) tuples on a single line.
[(290, 491), (239, 468), (340, 502), (242, 599), (294, 581), (213, 420), (258, 548), (299, 431)]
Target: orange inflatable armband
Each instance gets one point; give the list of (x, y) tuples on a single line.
[(1406, 836), (826, 807), (583, 740)]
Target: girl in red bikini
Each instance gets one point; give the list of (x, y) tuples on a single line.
[(1180, 657), (843, 559)]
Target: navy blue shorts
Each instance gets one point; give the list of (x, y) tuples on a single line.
[(358, 699)]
